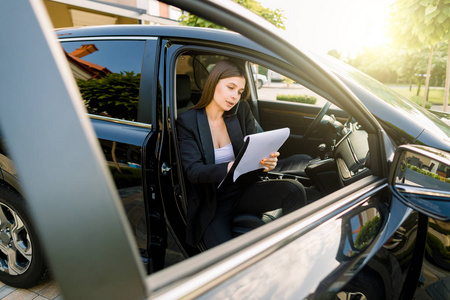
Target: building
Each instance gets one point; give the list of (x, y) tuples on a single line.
[(76, 13)]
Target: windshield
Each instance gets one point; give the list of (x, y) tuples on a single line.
[(408, 108)]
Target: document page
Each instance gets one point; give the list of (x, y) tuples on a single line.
[(260, 145)]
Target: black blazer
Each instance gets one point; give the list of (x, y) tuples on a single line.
[(197, 156)]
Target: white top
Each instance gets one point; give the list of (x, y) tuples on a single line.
[(224, 154)]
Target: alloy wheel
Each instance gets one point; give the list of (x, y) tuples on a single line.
[(15, 243)]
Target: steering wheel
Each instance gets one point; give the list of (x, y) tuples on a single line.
[(315, 123)]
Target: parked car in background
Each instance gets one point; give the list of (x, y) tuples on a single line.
[(376, 169), (274, 76), (260, 80)]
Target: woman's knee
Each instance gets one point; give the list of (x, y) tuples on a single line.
[(218, 232), (295, 194)]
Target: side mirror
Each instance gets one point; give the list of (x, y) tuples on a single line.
[(420, 177)]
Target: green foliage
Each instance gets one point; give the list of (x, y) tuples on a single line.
[(126, 176), (115, 95), (367, 233), (390, 65), (273, 16), (298, 98), (438, 67), (433, 243), (287, 80), (427, 173), (195, 21), (435, 95), (411, 63), (262, 70), (418, 100), (377, 62), (438, 228), (416, 23), (335, 53)]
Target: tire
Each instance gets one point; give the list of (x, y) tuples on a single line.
[(22, 263)]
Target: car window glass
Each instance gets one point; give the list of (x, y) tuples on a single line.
[(108, 74), (197, 67), (386, 94), (277, 87)]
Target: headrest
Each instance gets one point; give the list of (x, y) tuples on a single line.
[(183, 90)]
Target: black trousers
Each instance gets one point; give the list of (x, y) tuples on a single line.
[(258, 197)]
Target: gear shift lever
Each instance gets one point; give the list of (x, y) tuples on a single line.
[(321, 148)]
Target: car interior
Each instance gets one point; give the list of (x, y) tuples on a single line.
[(327, 149)]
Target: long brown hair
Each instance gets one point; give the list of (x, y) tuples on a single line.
[(222, 69)]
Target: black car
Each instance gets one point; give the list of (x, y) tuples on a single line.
[(376, 223)]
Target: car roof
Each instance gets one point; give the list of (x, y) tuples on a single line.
[(167, 31)]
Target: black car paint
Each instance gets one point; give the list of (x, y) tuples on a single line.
[(155, 144)]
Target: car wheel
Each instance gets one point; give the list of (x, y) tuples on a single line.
[(21, 258), (260, 83)]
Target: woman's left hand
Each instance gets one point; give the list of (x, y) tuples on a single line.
[(270, 162)]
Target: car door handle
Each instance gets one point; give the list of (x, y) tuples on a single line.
[(165, 168)]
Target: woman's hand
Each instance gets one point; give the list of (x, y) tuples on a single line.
[(270, 162)]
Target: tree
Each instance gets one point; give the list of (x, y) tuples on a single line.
[(439, 64), (115, 95), (273, 16), (377, 62), (418, 23), (335, 53), (409, 64), (407, 27), (437, 16)]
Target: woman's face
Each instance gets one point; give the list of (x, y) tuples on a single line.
[(228, 92)]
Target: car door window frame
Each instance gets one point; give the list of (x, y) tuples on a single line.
[(147, 92)]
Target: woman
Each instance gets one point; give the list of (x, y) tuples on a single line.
[(210, 136)]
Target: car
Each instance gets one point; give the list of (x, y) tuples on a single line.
[(260, 80), (370, 208), (274, 76)]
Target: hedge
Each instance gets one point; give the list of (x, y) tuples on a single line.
[(298, 98), (419, 100), (427, 173)]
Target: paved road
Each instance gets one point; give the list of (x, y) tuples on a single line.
[(440, 107), (46, 291)]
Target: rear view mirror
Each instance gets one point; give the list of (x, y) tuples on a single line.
[(421, 178)]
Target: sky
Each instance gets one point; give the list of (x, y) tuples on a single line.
[(345, 25)]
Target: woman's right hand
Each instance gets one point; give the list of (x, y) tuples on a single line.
[(270, 162)]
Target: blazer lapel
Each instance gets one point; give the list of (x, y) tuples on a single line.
[(235, 133), (205, 136)]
